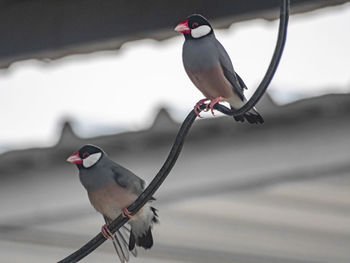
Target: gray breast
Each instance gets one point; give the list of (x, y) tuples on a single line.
[(96, 177), (199, 53)]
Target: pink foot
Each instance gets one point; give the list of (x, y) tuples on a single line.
[(213, 102), (126, 213), (198, 104), (106, 232)]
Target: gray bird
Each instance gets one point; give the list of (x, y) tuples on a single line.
[(210, 69), (111, 189)]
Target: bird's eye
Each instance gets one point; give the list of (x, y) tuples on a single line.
[(86, 154), (195, 25)]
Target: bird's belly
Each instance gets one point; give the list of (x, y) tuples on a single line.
[(211, 82), (111, 199)]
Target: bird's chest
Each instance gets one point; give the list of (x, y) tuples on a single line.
[(111, 199), (202, 65), (199, 55), (211, 82)]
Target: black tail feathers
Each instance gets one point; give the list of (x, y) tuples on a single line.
[(251, 116), (146, 240), (155, 215), (132, 241)]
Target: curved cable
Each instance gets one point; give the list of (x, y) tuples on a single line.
[(147, 194), (276, 57)]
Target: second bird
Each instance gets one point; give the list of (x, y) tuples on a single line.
[(210, 68), (111, 189)]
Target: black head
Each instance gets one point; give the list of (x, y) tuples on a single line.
[(194, 27), (86, 157)]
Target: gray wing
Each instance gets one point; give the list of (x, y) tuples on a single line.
[(226, 64), (241, 82), (127, 179)]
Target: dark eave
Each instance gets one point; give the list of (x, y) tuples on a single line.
[(50, 29)]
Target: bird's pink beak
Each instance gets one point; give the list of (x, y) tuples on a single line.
[(74, 158), (183, 27)]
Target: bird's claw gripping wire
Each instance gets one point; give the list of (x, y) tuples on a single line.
[(126, 213), (197, 107), (207, 106), (106, 232), (212, 103)]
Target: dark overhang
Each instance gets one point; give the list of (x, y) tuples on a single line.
[(49, 29)]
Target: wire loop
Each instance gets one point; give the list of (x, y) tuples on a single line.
[(180, 138)]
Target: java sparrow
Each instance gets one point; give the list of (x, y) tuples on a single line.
[(111, 188), (210, 69)]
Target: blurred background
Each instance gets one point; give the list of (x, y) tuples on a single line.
[(110, 73)]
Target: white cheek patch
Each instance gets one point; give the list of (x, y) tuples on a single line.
[(91, 160), (200, 31)]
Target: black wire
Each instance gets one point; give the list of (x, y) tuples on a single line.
[(276, 57), (180, 138)]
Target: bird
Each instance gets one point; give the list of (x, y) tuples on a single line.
[(210, 69), (111, 188)]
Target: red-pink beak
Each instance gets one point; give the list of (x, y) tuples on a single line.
[(74, 158), (183, 27)]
